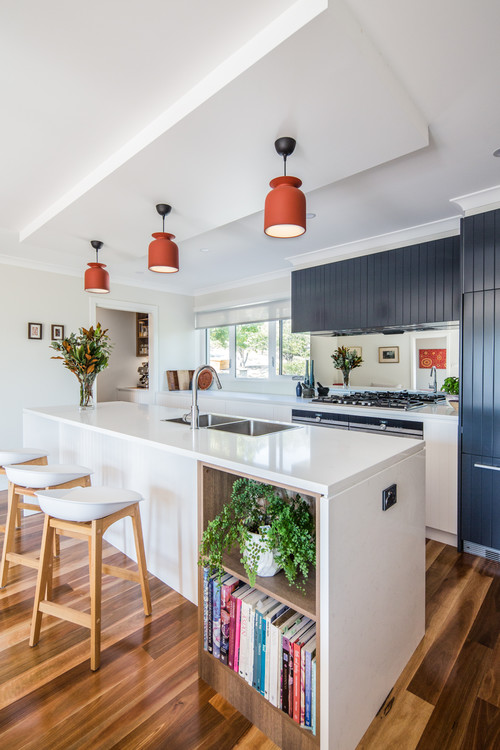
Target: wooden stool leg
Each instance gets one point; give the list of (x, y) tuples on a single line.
[(95, 594), (141, 559), (18, 518), (57, 545), (10, 528), (43, 578)]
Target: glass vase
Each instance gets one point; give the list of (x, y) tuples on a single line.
[(87, 391), (346, 374)]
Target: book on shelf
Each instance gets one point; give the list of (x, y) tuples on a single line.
[(298, 672), (216, 633), (226, 590), (313, 695), (269, 644), (234, 624), (248, 605), (269, 620), (309, 652), (289, 636), (252, 595)]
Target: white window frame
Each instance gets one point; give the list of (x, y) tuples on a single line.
[(274, 353)]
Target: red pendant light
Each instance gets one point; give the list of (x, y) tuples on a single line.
[(96, 278), (163, 253), (285, 207)]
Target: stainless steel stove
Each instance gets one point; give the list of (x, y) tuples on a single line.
[(403, 400)]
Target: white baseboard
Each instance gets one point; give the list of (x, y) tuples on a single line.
[(441, 536)]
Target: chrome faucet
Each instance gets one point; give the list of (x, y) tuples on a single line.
[(195, 412), (433, 375)]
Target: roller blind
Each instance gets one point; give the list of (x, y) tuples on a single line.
[(257, 312)]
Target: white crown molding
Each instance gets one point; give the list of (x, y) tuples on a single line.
[(283, 27), (421, 233), (36, 265), (478, 202), (242, 302)]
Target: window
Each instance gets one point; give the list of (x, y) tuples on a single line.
[(258, 350)]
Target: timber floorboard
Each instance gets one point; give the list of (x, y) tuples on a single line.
[(147, 694)]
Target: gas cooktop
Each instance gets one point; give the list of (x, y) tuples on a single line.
[(403, 400)]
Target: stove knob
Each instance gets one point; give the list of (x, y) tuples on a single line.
[(383, 426), (318, 418)]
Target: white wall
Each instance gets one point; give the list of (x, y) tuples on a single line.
[(28, 376), (123, 363)]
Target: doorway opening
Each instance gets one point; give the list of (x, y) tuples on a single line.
[(132, 371)]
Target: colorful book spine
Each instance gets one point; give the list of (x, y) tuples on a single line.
[(285, 673), (296, 682), (227, 589), (216, 619), (237, 633), (308, 690), (206, 579), (232, 631), (313, 695), (257, 650), (302, 687), (210, 614), (263, 639)]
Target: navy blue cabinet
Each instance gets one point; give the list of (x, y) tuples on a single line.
[(480, 381), (408, 286)]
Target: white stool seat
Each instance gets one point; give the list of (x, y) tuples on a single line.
[(45, 476), (20, 455), (85, 503)]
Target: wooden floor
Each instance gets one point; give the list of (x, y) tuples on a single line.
[(147, 693)]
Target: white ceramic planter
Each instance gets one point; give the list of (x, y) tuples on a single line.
[(266, 565)]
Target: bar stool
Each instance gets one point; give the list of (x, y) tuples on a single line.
[(88, 511), (26, 480), (21, 456)]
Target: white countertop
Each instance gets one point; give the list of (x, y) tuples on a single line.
[(425, 412), (312, 458)]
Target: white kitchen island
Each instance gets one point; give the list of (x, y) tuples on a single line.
[(371, 563)]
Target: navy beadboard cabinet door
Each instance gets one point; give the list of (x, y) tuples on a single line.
[(480, 381), (480, 512), (407, 286)]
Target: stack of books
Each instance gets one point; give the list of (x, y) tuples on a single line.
[(267, 643)]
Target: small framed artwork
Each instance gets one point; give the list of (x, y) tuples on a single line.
[(56, 332), (388, 354), (357, 350), (34, 330)]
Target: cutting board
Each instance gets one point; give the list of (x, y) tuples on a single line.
[(179, 380)]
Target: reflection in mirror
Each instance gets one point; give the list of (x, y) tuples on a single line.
[(409, 367)]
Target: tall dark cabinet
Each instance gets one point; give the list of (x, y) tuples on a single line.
[(480, 382)]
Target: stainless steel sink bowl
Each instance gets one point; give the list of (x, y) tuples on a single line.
[(253, 427), (206, 420)]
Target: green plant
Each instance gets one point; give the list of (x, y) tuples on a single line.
[(451, 385), (85, 355), (285, 523)]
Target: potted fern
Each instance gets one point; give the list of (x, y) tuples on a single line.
[(273, 530)]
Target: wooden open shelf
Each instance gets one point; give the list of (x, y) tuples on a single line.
[(278, 586), (215, 486)]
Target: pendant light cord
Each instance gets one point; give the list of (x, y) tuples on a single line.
[(284, 165)]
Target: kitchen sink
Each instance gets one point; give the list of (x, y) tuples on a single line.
[(252, 427), (206, 420)]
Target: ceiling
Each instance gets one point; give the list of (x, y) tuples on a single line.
[(109, 108)]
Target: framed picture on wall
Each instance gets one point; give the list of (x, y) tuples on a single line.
[(357, 350), (56, 332), (34, 330), (388, 354)]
